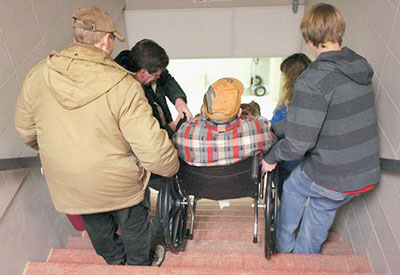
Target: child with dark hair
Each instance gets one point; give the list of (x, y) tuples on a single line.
[(252, 109)]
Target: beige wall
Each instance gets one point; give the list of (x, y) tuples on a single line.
[(219, 32), (29, 30), (372, 221)]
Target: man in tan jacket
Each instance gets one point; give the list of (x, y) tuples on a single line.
[(97, 138)]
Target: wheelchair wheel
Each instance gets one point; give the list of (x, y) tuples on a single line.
[(270, 207), (173, 215), (257, 80), (260, 91)]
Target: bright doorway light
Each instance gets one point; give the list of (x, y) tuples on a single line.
[(261, 77)]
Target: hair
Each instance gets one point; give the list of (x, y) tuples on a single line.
[(291, 68), (88, 37), (323, 23), (146, 54), (251, 108), (124, 60)]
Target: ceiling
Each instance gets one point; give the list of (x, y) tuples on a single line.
[(190, 4)]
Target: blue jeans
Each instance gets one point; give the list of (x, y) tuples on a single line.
[(318, 215)]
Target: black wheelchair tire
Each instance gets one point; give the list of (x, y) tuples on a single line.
[(268, 238), (173, 217), (257, 80), (260, 91)]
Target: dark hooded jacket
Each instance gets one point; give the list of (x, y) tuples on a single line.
[(332, 123), (165, 86)]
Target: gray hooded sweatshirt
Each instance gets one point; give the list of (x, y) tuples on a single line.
[(332, 123)]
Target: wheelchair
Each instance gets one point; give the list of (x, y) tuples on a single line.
[(178, 198)]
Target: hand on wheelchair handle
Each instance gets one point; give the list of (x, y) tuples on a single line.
[(266, 167)]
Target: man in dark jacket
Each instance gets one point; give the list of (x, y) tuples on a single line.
[(332, 124), (148, 61)]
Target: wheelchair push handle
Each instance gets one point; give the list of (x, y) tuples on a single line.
[(255, 172)]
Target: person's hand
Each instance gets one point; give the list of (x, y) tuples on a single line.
[(272, 136), (266, 167), (174, 123), (182, 109)]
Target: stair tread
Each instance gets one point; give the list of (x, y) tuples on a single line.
[(289, 262), (34, 268), (227, 241), (332, 248)]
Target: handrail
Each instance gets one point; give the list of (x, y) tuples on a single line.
[(391, 165), (19, 163)]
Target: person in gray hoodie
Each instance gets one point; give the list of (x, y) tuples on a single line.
[(332, 124)]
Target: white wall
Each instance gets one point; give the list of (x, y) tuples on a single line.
[(220, 33), (223, 32), (196, 75), (29, 30)]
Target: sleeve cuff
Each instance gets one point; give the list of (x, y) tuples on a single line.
[(269, 159)]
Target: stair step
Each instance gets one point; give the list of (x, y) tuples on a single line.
[(233, 202), (224, 234), (227, 212), (41, 268), (242, 246), (232, 225), (335, 248), (334, 237), (198, 259), (224, 219), (192, 245), (225, 246), (36, 268), (234, 243), (287, 262), (247, 235)]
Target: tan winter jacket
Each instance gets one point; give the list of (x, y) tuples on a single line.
[(97, 138)]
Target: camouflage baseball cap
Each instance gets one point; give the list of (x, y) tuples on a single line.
[(222, 100), (95, 19)]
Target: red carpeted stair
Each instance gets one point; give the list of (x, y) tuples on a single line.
[(222, 244)]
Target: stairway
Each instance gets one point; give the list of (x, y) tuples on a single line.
[(222, 244)]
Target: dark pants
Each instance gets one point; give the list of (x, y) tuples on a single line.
[(133, 246)]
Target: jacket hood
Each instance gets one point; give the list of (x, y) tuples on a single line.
[(80, 74), (346, 62)]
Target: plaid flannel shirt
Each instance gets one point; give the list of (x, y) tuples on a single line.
[(201, 142)]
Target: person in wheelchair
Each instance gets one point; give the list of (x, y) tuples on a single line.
[(218, 150), (220, 135)]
